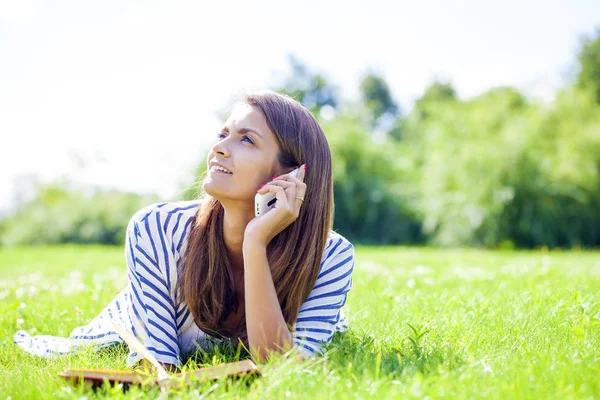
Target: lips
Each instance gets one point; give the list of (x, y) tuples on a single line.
[(216, 167)]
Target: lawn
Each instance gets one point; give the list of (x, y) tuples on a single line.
[(424, 322)]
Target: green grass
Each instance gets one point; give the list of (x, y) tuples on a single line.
[(437, 323)]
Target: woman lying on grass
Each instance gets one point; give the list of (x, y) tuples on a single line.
[(208, 270)]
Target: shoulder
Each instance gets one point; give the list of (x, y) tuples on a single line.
[(336, 245), (166, 211), (338, 255), (167, 218)]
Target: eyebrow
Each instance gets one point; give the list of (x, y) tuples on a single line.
[(245, 130)]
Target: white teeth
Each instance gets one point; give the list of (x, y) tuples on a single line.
[(216, 167)]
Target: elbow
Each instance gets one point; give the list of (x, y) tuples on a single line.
[(262, 350)]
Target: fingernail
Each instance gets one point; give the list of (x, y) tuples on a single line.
[(305, 167), (263, 185), (275, 177)]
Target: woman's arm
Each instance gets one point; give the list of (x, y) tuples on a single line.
[(320, 314), (266, 327), (152, 278)]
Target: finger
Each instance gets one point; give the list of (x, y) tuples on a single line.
[(293, 188), (271, 188), (278, 182), (279, 192), (299, 180), (298, 199), (302, 173), (290, 189), (283, 198)]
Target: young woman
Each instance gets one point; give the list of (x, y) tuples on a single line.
[(206, 270)]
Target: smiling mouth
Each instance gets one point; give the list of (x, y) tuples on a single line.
[(221, 170)]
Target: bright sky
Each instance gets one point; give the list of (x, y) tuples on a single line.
[(125, 94)]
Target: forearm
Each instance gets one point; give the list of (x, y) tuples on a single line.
[(266, 327)]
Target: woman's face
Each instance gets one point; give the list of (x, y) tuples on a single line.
[(248, 149)]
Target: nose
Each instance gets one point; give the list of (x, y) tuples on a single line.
[(221, 148)]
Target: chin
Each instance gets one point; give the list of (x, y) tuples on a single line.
[(213, 191), (210, 189), (224, 197)]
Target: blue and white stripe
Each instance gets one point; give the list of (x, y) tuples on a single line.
[(147, 307)]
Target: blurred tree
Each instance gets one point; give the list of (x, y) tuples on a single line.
[(557, 176), (309, 88), (589, 66), (381, 110), (437, 92), (377, 98), (373, 186), (462, 151), (60, 213), (434, 96), (498, 169)]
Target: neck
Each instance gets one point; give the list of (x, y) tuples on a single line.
[(235, 220)]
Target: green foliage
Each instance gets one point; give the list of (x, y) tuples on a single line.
[(437, 92), (463, 152), (311, 89), (557, 189), (59, 214), (589, 66), (372, 189), (498, 169), (376, 97)]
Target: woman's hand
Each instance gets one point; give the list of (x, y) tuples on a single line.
[(289, 192)]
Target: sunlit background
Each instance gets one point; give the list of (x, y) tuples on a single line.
[(128, 95)]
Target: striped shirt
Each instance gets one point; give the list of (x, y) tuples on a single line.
[(155, 245)]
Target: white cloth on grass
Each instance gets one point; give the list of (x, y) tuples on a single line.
[(147, 307)]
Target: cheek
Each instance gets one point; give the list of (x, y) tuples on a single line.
[(254, 177), (258, 170)]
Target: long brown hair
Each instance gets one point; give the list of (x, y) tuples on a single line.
[(206, 283)]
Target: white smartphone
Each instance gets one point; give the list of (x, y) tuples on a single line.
[(265, 202)]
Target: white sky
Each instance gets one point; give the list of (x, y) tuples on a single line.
[(125, 93)]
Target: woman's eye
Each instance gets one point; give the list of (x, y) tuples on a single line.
[(247, 137)]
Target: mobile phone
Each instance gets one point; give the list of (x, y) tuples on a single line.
[(265, 202)]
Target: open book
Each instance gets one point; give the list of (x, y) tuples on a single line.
[(97, 376)]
